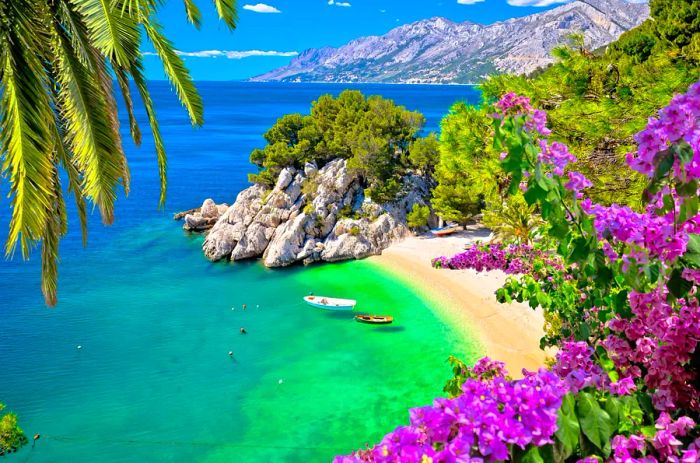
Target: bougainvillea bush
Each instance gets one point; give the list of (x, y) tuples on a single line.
[(624, 386)]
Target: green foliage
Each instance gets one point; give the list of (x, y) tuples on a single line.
[(677, 21), (424, 154), (596, 102), (460, 373), (354, 230), (11, 435), (374, 134), (466, 173), (513, 220), (418, 217)]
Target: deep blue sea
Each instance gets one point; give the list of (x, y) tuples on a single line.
[(152, 381)]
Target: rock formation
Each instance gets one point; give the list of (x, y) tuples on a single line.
[(310, 215)]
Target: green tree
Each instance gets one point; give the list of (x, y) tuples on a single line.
[(374, 134), (677, 21), (58, 110), (513, 220), (466, 173), (424, 154), (418, 216), (11, 435)]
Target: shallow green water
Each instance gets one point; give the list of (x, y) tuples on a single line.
[(154, 382)]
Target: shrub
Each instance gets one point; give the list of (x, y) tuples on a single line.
[(418, 217)]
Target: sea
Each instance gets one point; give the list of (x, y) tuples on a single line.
[(133, 363)]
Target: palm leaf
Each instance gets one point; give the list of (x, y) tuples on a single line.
[(142, 87), (113, 30), (227, 11), (54, 229), (194, 16), (90, 132), (24, 138), (176, 71), (123, 82)]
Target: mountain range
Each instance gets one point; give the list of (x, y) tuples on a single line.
[(438, 50)]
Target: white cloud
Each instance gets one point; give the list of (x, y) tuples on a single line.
[(229, 54), (333, 2), (469, 2), (261, 8), (535, 2)]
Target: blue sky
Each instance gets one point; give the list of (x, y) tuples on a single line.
[(291, 26)]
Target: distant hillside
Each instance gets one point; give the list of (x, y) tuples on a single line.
[(438, 50)]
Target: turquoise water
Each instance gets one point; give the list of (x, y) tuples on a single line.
[(153, 380)]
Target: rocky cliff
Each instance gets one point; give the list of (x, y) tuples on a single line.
[(438, 50), (310, 215)]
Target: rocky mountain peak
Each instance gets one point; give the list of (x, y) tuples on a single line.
[(438, 50)]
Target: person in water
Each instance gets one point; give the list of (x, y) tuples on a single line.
[(243, 331)]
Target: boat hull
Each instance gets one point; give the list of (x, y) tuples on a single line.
[(329, 303), (374, 319)]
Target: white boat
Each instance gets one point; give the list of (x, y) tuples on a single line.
[(330, 303), (447, 230)]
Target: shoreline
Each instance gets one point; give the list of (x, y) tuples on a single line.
[(466, 301)]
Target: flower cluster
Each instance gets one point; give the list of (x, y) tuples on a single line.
[(665, 443), (647, 234), (577, 183), (677, 123), (660, 340), (513, 104), (558, 156), (479, 425), (576, 367), (512, 259)]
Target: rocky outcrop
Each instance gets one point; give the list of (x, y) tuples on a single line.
[(202, 218), (310, 215)]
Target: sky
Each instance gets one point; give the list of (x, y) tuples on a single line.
[(271, 33)]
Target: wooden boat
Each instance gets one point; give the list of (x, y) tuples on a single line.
[(375, 319), (330, 303), (446, 230)]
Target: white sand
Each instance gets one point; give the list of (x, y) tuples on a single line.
[(467, 300)]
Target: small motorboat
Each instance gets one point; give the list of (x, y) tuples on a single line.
[(375, 319), (447, 230), (330, 303)]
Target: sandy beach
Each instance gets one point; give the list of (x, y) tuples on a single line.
[(467, 300)]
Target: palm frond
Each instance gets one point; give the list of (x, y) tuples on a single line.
[(90, 132), (113, 30), (123, 82), (194, 16), (24, 138), (227, 11), (74, 180), (54, 229), (176, 71), (142, 87)]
